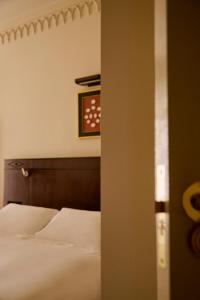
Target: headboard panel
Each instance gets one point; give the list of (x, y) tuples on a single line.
[(53, 182)]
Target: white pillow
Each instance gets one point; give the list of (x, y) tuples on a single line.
[(79, 227), (24, 219)]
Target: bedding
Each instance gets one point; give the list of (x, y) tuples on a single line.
[(40, 269), (23, 219), (79, 227)]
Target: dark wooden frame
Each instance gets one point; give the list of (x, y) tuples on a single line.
[(53, 182), (80, 114)]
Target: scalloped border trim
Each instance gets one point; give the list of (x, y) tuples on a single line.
[(72, 13)]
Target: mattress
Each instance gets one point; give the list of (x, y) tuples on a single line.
[(38, 269)]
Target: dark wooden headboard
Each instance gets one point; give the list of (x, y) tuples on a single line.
[(53, 182)]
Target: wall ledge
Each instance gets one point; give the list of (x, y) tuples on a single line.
[(56, 17)]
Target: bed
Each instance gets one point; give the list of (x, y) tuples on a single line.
[(50, 229)]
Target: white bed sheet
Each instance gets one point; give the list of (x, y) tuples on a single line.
[(36, 269)]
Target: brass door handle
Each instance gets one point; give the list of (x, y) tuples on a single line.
[(191, 205), (194, 239), (191, 202)]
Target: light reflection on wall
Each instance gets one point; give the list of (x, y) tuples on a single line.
[(161, 147)]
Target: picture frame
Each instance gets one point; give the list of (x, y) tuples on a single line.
[(89, 111)]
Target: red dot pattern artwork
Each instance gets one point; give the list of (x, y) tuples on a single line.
[(89, 104), (91, 111)]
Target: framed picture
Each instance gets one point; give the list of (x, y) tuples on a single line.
[(89, 105)]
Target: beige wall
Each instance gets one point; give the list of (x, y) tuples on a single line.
[(18, 11), (128, 222), (38, 96)]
